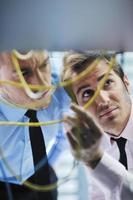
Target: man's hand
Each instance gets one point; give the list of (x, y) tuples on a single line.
[(84, 136)]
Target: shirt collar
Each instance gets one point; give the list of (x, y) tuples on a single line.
[(48, 113), (11, 112), (128, 131)]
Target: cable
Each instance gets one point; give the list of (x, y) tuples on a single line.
[(30, 93)]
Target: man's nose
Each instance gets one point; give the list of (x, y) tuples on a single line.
[(35, 80), (102, 98), (37, 77)]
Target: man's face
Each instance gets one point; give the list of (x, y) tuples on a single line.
[(112, 106), (36, 71)]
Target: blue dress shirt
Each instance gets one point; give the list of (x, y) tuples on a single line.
[(15, 141)]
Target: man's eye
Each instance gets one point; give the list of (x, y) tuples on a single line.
[(87, 94), (43, 66), (26, 73), (108, 82)]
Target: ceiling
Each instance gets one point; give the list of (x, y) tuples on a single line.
[(58, 25)]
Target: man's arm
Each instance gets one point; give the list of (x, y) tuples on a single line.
[(112, 175), (84, 136)]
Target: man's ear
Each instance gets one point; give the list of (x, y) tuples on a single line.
[(126, 83)]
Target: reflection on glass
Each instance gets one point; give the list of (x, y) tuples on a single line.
[(28, 80)]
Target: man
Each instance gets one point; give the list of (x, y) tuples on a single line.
[(94, 137), (16, 152)]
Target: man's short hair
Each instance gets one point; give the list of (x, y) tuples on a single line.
[(77, 62)]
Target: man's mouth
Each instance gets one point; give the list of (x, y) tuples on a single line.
[(37, 95), (108, 112), (41, 94)]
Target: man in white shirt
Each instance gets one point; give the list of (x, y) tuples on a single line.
[(94, 137)]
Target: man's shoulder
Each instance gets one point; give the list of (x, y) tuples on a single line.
[(10, 112), (61, 96)]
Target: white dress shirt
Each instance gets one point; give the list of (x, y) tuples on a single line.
[(110, 180)]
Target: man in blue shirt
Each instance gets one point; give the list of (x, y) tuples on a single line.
[(15, 145)]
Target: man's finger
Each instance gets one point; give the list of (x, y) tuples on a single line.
[(88, 119), (72, 141), (71, 119), (71, 128)]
